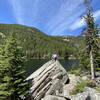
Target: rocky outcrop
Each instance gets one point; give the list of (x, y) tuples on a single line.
[(88, 94), (92, 93), (52, 97), (50, 83), (48, 80), (98, 81), (68, 87)]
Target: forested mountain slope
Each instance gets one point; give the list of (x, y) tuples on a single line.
[(36, 44)]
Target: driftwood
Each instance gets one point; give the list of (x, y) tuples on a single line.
[(48, 80)]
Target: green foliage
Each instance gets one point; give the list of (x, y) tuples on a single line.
[(74, 67), (91, 51), (96, 55), (84, 60), (36, 44), (11, 70), (75, 70), (79, 87)]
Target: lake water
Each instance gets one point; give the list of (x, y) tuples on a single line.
[(33, 64)]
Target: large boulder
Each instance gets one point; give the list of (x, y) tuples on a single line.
[(52, 97), (93, 94), (88, 94), (48, 80), (80, 96)]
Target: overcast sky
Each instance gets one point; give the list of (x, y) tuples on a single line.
[(53, 17)]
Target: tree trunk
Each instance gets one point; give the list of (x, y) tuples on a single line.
[(92, 64)]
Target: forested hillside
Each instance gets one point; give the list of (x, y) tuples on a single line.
[(36, 44)]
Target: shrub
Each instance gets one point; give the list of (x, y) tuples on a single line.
[(79, 87), (77, 72)]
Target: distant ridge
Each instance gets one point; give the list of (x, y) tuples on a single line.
[(37, 44)]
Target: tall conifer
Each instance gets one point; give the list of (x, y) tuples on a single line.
[(91, 37), (12, 82)]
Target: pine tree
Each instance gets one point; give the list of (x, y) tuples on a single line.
[(91, 37), (4, 78), (11, 70)]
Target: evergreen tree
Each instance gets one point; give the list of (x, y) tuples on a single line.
[(91, 37), (12, 82), (84, 60)]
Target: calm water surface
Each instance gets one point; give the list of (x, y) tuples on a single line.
[(33, 64)]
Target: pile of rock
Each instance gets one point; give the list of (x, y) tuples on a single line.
[(48, 80), (68, 87), (98, 79), (88, 94), (51, 82)]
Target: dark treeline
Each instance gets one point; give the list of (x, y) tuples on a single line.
[(38, 45)]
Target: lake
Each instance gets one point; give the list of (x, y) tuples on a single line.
[(33, 64)]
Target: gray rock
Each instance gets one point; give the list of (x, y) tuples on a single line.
[(88, 94), (48, 80), (98, 81), (68, 87), (51, 97), (80, 96), (56, 88), (89, 90), (97, 74), (84, 77), (93, 94)]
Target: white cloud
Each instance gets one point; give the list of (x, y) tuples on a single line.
[(65, 16), (23, 10), (97, 15), (16, 7), (26, 12), (62, 14), (80, 22)]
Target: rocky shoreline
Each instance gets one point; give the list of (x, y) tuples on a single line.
[(51, 82)]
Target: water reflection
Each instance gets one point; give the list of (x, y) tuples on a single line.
[(33, 64)]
